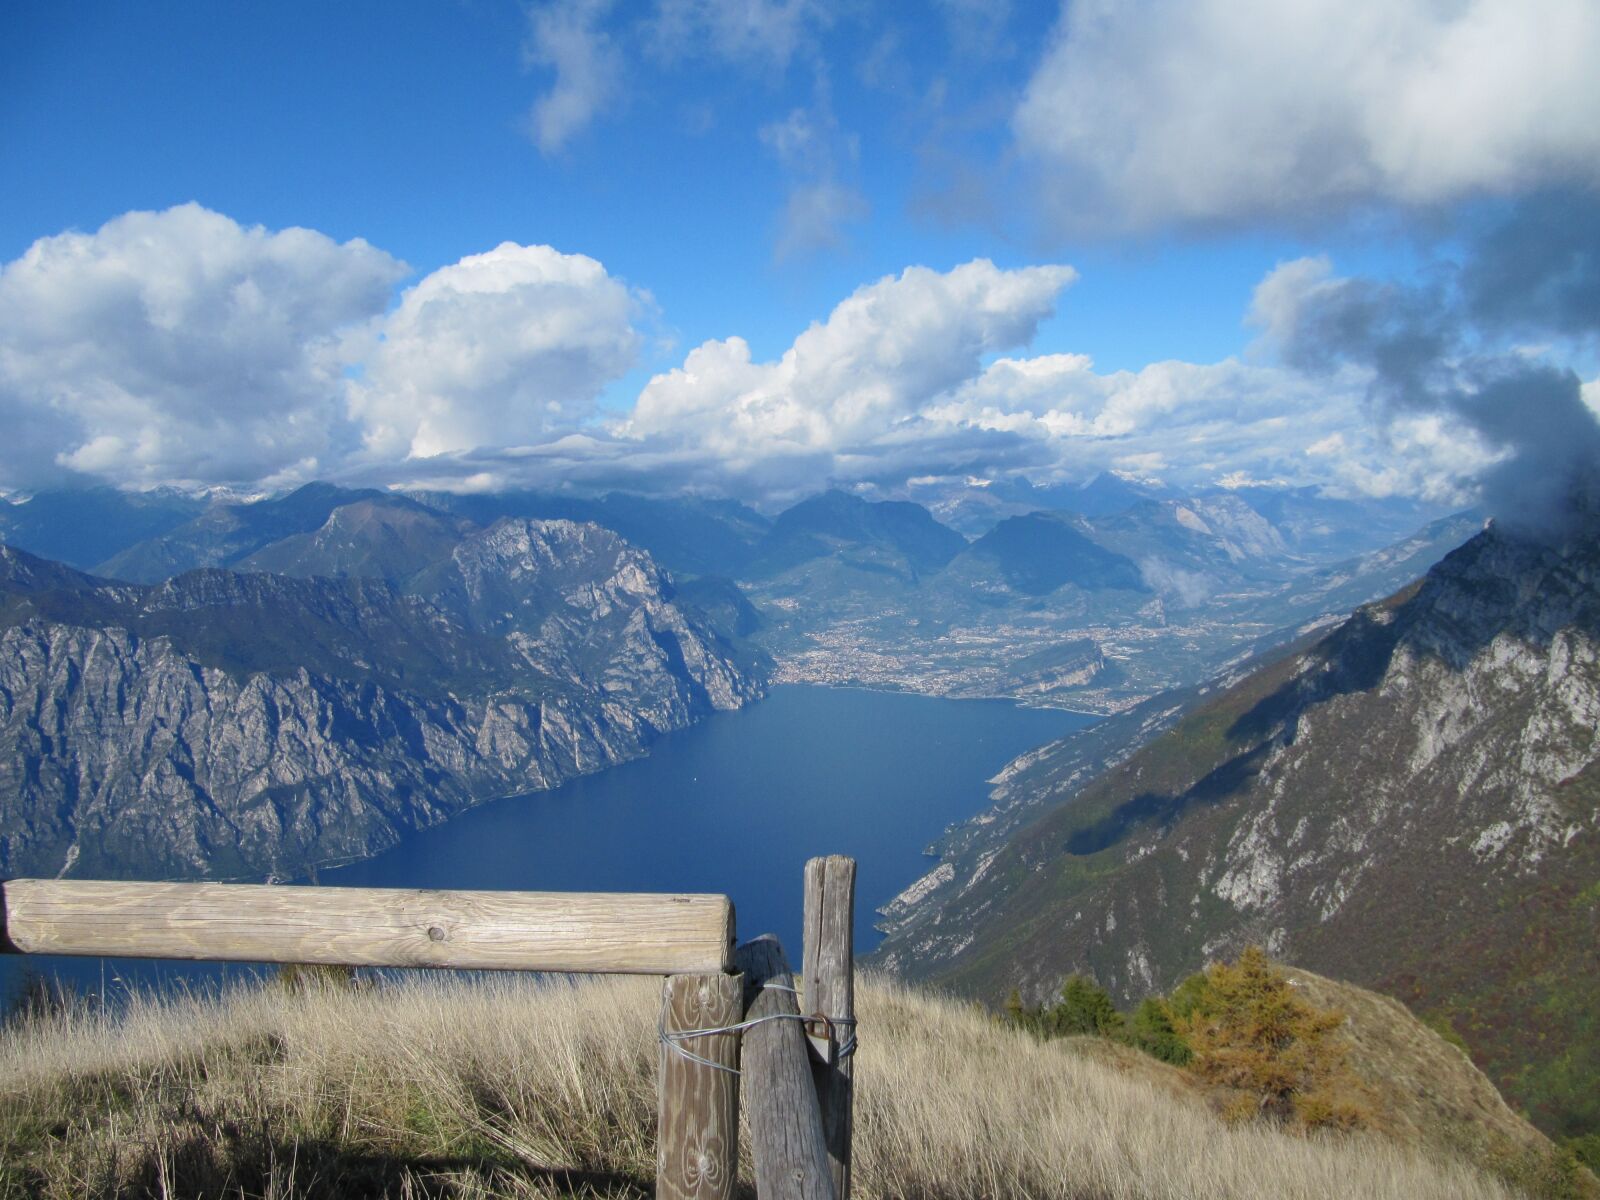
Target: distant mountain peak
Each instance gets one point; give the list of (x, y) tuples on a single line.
[(899, 536)]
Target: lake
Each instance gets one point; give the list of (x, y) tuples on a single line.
[(734, 805)]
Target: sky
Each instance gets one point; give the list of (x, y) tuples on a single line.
[(755, 248)]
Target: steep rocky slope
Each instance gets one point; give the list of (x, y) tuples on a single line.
[(230, 724), (1412, 802)]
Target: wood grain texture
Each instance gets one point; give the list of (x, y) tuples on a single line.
[(697, 1119), (786, 1141), (828, 983), (370, 927)]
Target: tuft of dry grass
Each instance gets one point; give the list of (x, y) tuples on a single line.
[(514, 1087)]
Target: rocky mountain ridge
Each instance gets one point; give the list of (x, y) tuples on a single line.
[(1425, 775), (852, 590), (232, 724)]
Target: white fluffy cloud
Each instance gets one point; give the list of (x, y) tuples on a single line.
[(1227, 109), (179, 346), (882, 354), (498, 349), (895, 383), (1200, 425)]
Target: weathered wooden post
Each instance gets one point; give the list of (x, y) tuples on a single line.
[(828, 976), (786, 1142), (697, 1116)]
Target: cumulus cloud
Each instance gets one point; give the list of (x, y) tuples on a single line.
[(498, 349), (885, 351), (1196, 425), (565, 36), (1221, 110), (901, 381), (180, 346)]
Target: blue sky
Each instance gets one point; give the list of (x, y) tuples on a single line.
[(565, 211)]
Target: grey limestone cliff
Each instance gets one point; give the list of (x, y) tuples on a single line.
[(235, 725)]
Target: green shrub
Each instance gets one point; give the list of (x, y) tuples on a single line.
[(1152, 1031), (1586, 1149), (1085, 1007)]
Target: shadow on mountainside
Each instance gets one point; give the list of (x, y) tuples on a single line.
[(1494, 584), (1150, 808)]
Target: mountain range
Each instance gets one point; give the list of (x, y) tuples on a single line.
[(1166, 590), (1121, 591), (1410, 800), (243, 723)]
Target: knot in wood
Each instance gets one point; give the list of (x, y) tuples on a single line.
[(435, 933)]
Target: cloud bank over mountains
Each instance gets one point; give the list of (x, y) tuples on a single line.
[(183, 348)]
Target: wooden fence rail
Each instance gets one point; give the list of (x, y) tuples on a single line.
[(621, 933), (714, 1021)]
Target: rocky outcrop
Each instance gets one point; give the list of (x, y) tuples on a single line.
[(234, 725)]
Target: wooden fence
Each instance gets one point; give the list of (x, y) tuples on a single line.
[(730, 1014)]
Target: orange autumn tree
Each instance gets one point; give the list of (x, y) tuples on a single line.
[(1270, 1052)]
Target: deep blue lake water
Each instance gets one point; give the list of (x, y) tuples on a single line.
[(735, 805)]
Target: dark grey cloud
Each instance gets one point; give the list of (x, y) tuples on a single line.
[(1448, 346), (1538, 270)]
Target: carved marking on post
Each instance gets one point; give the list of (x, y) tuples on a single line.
[(829, 987), (697, 1121), (786, 1142)]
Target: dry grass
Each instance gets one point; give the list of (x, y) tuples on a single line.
[(511, 1087)]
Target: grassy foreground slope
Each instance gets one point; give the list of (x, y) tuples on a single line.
[(512, 1088)]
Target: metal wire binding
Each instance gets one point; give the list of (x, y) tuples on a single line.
[(673, 1039)]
